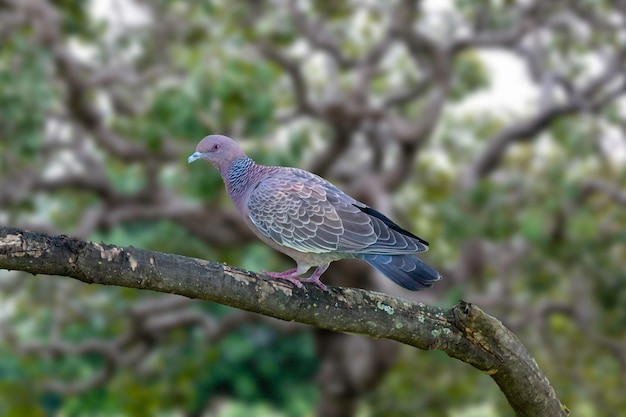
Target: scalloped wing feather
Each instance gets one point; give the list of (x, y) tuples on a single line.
[(302, 211)]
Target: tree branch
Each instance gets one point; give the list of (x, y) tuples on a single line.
[(464, 331), (612, 191), (293, 69), (524, 130)]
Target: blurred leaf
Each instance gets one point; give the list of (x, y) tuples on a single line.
[(470, 76), (533, 224)]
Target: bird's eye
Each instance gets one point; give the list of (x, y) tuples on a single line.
[(215, 147)]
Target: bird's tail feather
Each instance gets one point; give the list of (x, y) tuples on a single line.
[(407, 270)]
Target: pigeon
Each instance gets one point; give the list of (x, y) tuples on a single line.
[(315, 223)]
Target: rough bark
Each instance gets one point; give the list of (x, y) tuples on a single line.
[(464, 331)]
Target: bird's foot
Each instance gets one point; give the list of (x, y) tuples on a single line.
[(289, 275), (315, 277), (292, 276), (316, 281)]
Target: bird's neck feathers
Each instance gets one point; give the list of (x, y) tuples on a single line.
[(240, 177)]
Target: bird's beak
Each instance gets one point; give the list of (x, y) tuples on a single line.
[(194, 156)]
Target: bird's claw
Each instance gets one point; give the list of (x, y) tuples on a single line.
[(284, 275), (316, 281), (296, 280)]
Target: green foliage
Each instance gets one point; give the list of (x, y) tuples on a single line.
[(20, 402), (25, 98), (75, 19), (434, 393), (260, 365), (184, 374), (470, 76)]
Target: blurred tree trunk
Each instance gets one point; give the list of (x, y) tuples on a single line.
[(350, 366)]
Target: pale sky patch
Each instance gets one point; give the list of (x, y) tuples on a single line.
[(510, 88)]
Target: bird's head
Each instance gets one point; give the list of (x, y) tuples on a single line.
[(219, 150)]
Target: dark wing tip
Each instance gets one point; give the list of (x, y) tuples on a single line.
[(374, 213)]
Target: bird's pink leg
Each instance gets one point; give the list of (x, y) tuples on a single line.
[(287, 273), (293, 276), (290, 275), (315, 277)]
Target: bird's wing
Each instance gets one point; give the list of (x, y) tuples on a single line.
[(308, 214), (301, 210)]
